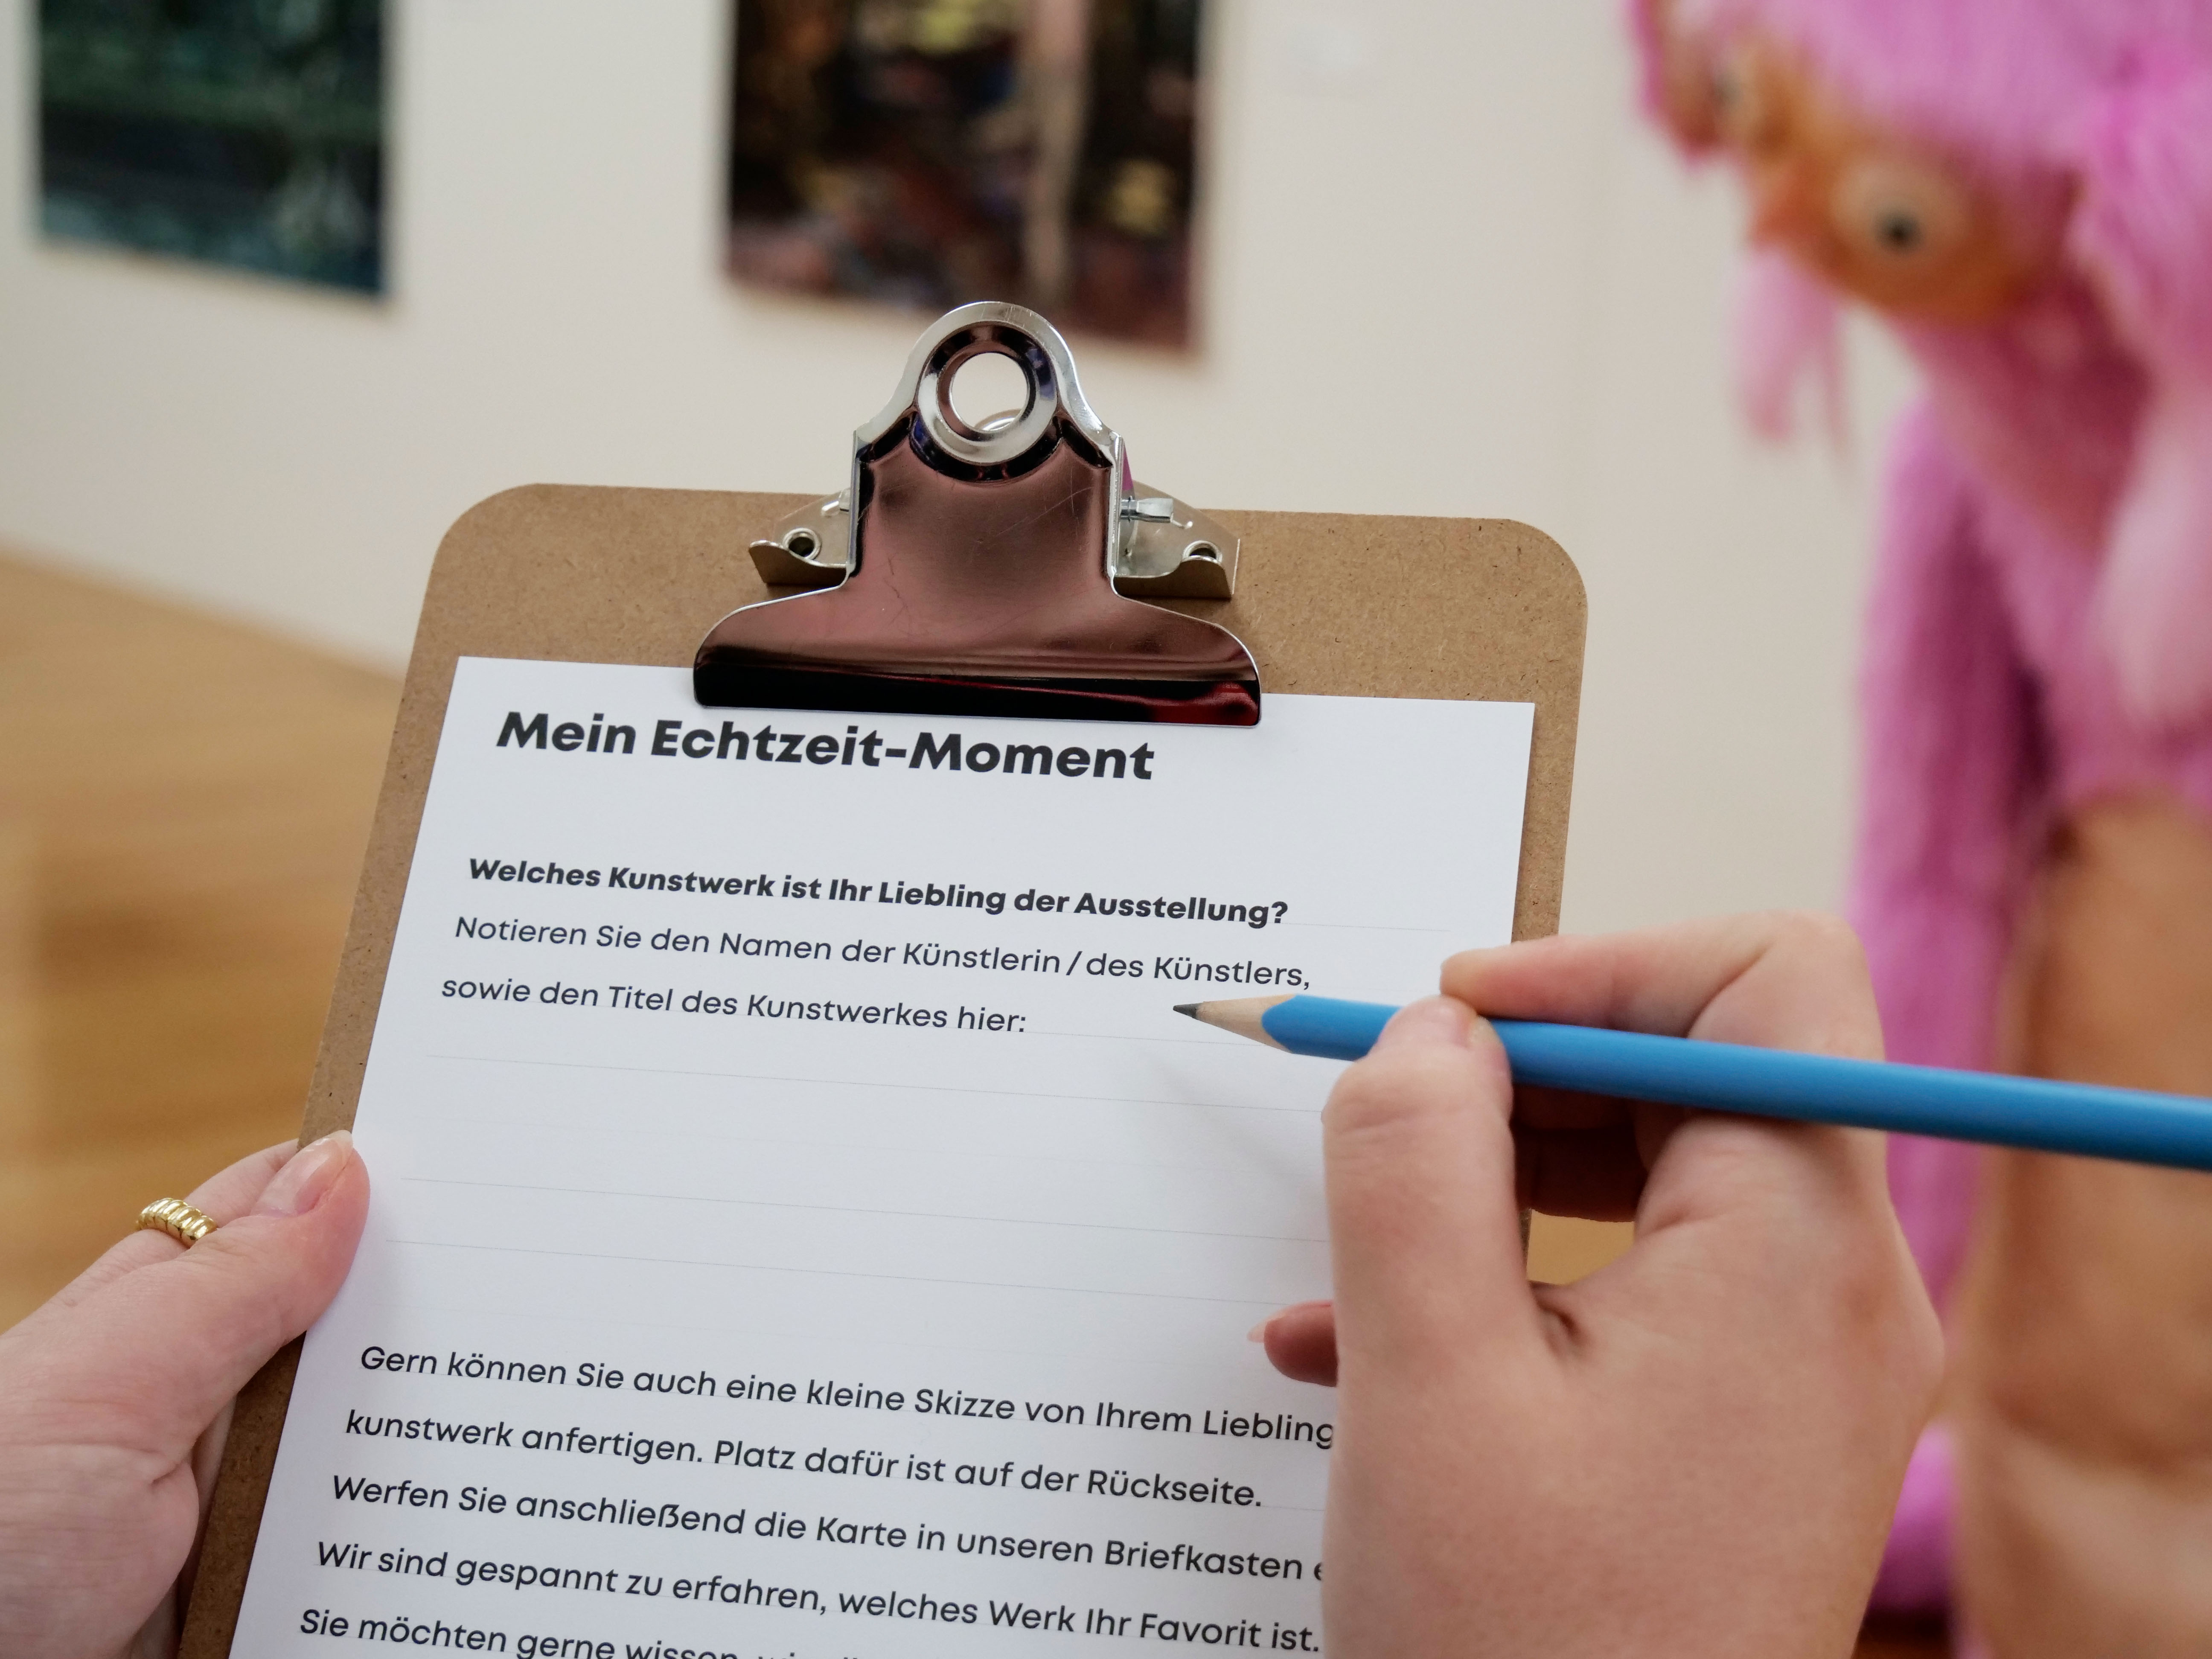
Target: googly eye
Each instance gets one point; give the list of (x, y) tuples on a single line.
[(1898, 229), (1726, 85), (1746, 103), (1899, 211)]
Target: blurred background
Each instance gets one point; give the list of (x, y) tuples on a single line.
[(286, 285)]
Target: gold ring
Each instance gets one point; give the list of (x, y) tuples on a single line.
[(179, 1220)]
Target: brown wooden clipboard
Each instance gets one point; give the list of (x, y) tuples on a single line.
[(1334, 604)]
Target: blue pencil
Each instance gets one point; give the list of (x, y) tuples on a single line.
[(2084, 1119)]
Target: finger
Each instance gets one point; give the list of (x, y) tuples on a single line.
[(206, 1462), (148, 1359), (1424, 1231), (1757, 1234), (1539, 1106), (1592, 1174), (1776, 980), (1301, 1342), (223, 1196), (1578, 1154), (1758, 1214)]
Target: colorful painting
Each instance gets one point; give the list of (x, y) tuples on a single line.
[(240, 133), (924, 153)]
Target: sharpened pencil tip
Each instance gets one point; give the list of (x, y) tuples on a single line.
[(1188, 1008)]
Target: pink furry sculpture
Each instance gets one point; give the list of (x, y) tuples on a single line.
[(2023, 188)]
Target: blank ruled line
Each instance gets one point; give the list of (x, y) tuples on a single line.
[(838, 1273), (1130, 1036), (539, 1125), (1367, 927), (861, 1083), (861, 1209)]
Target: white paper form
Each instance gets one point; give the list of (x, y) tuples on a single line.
[(801, 1224)]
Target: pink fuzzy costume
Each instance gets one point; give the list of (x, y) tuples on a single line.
[(2037, 636)]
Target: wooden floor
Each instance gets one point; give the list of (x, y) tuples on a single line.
[(183, 806)]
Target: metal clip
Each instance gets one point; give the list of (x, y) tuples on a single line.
[(973, 570), (1167, 548), (809, 548), (1172, 550)]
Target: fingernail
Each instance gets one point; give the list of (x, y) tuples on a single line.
[(1431, 1020), (1259, 1331), (312, 1171)]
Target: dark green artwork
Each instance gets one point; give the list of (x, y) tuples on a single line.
[(241, 132)]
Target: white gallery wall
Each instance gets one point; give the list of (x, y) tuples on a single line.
[(1446, 271)]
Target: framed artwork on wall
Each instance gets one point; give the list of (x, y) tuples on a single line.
[(924, 153), (238, 132)]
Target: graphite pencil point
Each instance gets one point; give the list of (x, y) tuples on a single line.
[(1240, 1015)]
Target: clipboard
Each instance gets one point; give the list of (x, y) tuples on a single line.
[(1338, 605)]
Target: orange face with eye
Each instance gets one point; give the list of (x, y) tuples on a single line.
[(1895, 222)]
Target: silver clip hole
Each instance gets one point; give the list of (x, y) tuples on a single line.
[(985, 439)]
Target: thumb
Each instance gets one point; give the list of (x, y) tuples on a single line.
[(1424, 1231), (147, 1361)]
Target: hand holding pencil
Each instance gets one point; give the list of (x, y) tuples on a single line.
[(1721, 1417), (2032, 1113)]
